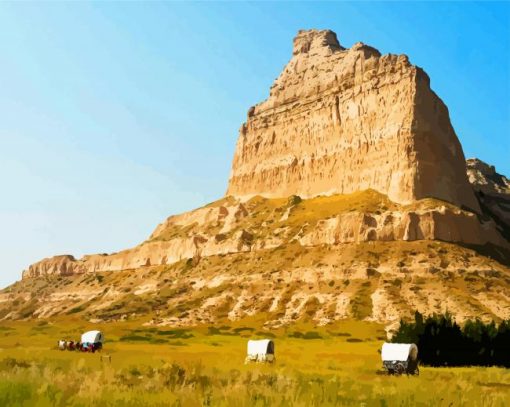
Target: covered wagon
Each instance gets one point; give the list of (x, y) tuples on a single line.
[(399, 358), (92, 340), (260, 351)]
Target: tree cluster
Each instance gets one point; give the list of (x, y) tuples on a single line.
[(443, 342)]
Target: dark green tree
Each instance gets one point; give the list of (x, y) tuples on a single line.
[(442, 342)]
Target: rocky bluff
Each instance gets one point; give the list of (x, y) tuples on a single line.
[(343, 120), (349, 197), (364, 149)]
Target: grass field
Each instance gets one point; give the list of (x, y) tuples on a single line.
[(333, 365)]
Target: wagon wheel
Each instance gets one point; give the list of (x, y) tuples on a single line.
[(399, 369), (417, 371)]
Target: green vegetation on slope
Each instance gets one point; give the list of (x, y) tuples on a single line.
[(265, 215), (352, 280)]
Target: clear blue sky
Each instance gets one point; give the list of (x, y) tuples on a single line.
[(116, 115)]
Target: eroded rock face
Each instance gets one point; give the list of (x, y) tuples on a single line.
[(493, 192), (374, 281), (344, 120), (63, 265), (484, 178), (231, 226)]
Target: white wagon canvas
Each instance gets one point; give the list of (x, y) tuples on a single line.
[(94, 337), (260, 351), (399, 358)]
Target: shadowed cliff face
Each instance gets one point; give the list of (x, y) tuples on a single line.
[(493, 192), (344, 120)]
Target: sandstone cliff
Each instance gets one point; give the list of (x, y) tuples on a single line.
[(348, 197), (344, 120), (337, 121), (231, 226)]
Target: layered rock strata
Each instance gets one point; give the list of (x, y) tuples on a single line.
[(337, 121), (231, 226), (374, 281), (344, 120)]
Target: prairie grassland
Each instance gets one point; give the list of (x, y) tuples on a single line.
[(333, 365)]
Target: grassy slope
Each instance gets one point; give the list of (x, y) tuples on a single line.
[(418, 271), (204, 366), (410, 274), (265, 215)]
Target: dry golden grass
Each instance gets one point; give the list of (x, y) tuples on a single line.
[(265, 214), (205, 366)]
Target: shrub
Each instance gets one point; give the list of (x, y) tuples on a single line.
[(312, 335), (294, 200), (75, 310), (176, 333), (306, 335)]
